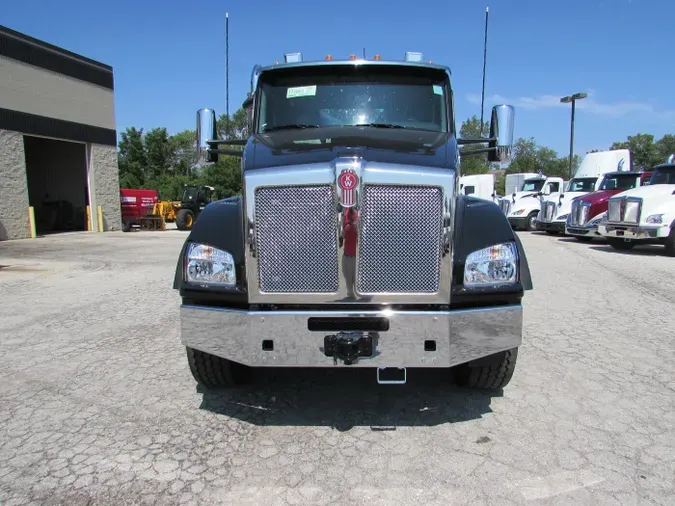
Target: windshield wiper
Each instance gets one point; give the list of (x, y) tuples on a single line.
[(379, 125), (298, 126)]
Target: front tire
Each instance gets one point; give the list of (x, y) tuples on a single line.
[(531, 222), (670, 243), (490, 373), (185, 219), (214, 372)]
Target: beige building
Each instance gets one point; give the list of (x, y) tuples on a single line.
[(58, 139)]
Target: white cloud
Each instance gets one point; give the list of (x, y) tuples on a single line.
[(588, 104)]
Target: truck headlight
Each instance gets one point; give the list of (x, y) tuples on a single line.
[(519, 212), (563, 217), (655, 218), (494, 265), (206, 265)]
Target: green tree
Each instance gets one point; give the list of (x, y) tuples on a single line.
[(158, 149), (643, 152), (132, 158), (478, 163), (665, 147)]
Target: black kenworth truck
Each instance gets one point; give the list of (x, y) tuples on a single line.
[(350, 245)]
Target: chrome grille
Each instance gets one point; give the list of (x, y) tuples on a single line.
[(296, 239), (400, 239), (579, 213), (632, 211), (624, 210), (505, 204), (549, 212), (614, 210)]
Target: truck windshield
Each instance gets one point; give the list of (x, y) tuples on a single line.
[(619, 182), (532, 185), (663, 175), (375, 96), (582, 184), (190, 194)]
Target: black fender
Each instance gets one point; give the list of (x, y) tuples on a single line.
[(478, 224), (220, 225)]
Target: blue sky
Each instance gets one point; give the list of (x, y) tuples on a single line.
[(169, 57)]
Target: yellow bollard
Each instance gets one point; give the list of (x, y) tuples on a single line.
[(31, 221), (100, 218), (88, 219)]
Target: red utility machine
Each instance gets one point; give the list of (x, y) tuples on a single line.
[(134, 204)]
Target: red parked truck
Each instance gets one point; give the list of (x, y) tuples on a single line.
[(588, 210), (134, 204)]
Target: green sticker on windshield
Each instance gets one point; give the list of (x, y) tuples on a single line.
[(438, 90), (301, 91)]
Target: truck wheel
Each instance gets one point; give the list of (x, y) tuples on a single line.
[(489, 373), (670, 243), (126, 226), (620, 244), (211, 371), (185, 219), (531, 221)]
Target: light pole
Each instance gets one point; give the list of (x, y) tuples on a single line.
[(567, 100)]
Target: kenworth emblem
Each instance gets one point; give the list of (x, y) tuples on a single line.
[(347, 182)]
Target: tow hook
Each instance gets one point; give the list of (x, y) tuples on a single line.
[(349, 346)]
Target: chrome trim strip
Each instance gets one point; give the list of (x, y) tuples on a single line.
[(368, 173), (460, 336)]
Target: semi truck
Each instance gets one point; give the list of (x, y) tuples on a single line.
[(556, 207), (522, 206), (644, 215), (350, 244)]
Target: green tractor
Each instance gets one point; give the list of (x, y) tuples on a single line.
[(194, 200)]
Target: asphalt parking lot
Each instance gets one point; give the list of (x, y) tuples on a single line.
[(98, 405)]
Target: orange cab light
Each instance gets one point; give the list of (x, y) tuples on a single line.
[(377, 57), (352, 57), (329, 57)]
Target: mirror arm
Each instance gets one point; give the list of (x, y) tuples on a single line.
[(231, 142), (477, 151), (230, 152), (461, 142)]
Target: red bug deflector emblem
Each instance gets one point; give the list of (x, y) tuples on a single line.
[(348, 181)]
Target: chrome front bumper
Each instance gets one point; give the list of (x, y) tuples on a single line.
[(458, 336), (634, 232), (582, 230)]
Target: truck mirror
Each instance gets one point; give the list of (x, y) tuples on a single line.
[(207, 130), (501, 131), (546, 191)]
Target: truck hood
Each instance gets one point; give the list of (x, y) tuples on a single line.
[(599, 197), (520, 195), (322, 145), (658, 191)]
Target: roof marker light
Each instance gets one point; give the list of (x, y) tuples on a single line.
[(413, 57), (377, 57), (329, 57), (293, 57), (352, 57)]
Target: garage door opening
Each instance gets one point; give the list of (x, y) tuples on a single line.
[(57, 184)]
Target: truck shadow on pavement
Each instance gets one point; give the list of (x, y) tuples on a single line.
[(344, 399), (644, 250)]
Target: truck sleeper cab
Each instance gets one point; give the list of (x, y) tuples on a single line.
[(349, 245)]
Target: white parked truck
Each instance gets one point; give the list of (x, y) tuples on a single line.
[(588, 178), (513, 182), (522, 206), (644, 215), (481, 186)]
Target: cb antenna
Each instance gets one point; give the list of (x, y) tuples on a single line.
[(227, 74), (482, 98)]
